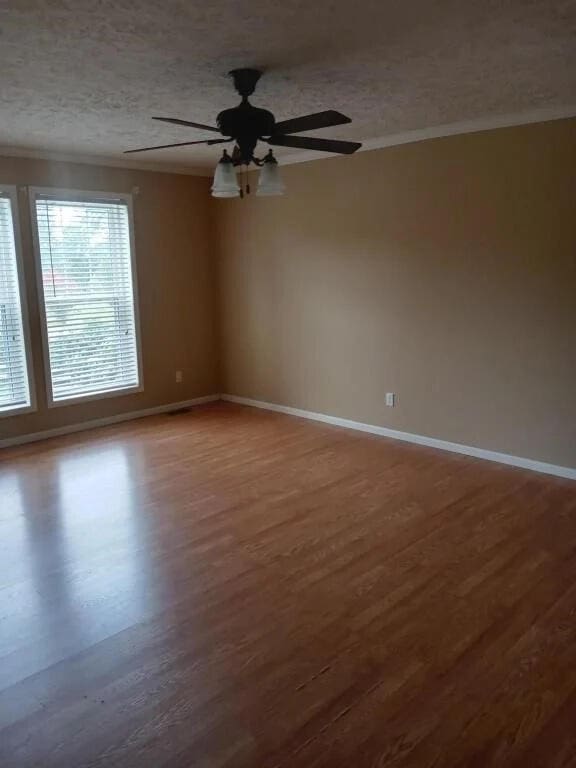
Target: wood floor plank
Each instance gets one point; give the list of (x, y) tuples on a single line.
[(231, 587)]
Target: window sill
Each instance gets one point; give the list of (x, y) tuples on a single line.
[(18, 411), (78, 399)]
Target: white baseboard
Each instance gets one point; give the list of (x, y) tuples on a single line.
[(432, 442), (105, 421)]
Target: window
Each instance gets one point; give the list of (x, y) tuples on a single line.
[(15, 395), (85, 251)]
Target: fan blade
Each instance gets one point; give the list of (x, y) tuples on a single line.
[(176, 121), (309, 142), (181, 144), (311, 122)]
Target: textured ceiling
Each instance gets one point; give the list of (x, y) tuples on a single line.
[(85, 76)]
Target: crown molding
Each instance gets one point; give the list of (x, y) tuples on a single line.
[(449, 129), (105, 161), (476, 125)]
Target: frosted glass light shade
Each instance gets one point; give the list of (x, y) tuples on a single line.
[(225, 183), (270, 182)]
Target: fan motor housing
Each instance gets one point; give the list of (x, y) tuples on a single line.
[(246, 120)]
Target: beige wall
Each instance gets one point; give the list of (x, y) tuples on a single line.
[(443, 271), (176, 286)]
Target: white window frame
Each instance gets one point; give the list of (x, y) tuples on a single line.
[(12, 193), (72, 195)]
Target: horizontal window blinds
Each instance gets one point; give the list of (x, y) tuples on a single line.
[(88, 296), (14, 386)]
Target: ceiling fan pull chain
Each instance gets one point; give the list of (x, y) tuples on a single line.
[(244, 183)]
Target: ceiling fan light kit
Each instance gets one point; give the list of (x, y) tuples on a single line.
[(246, 125), (225, 183), (270, 181)]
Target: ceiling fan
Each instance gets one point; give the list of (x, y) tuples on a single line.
[(246, 125)]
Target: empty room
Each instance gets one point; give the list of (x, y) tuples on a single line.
[(287, 384)]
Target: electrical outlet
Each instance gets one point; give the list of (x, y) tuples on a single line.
[(179, 377), (390, 399)]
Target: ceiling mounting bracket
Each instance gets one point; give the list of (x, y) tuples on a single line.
[(245, 80)]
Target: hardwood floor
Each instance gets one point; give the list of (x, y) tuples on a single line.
[(231, 587)]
